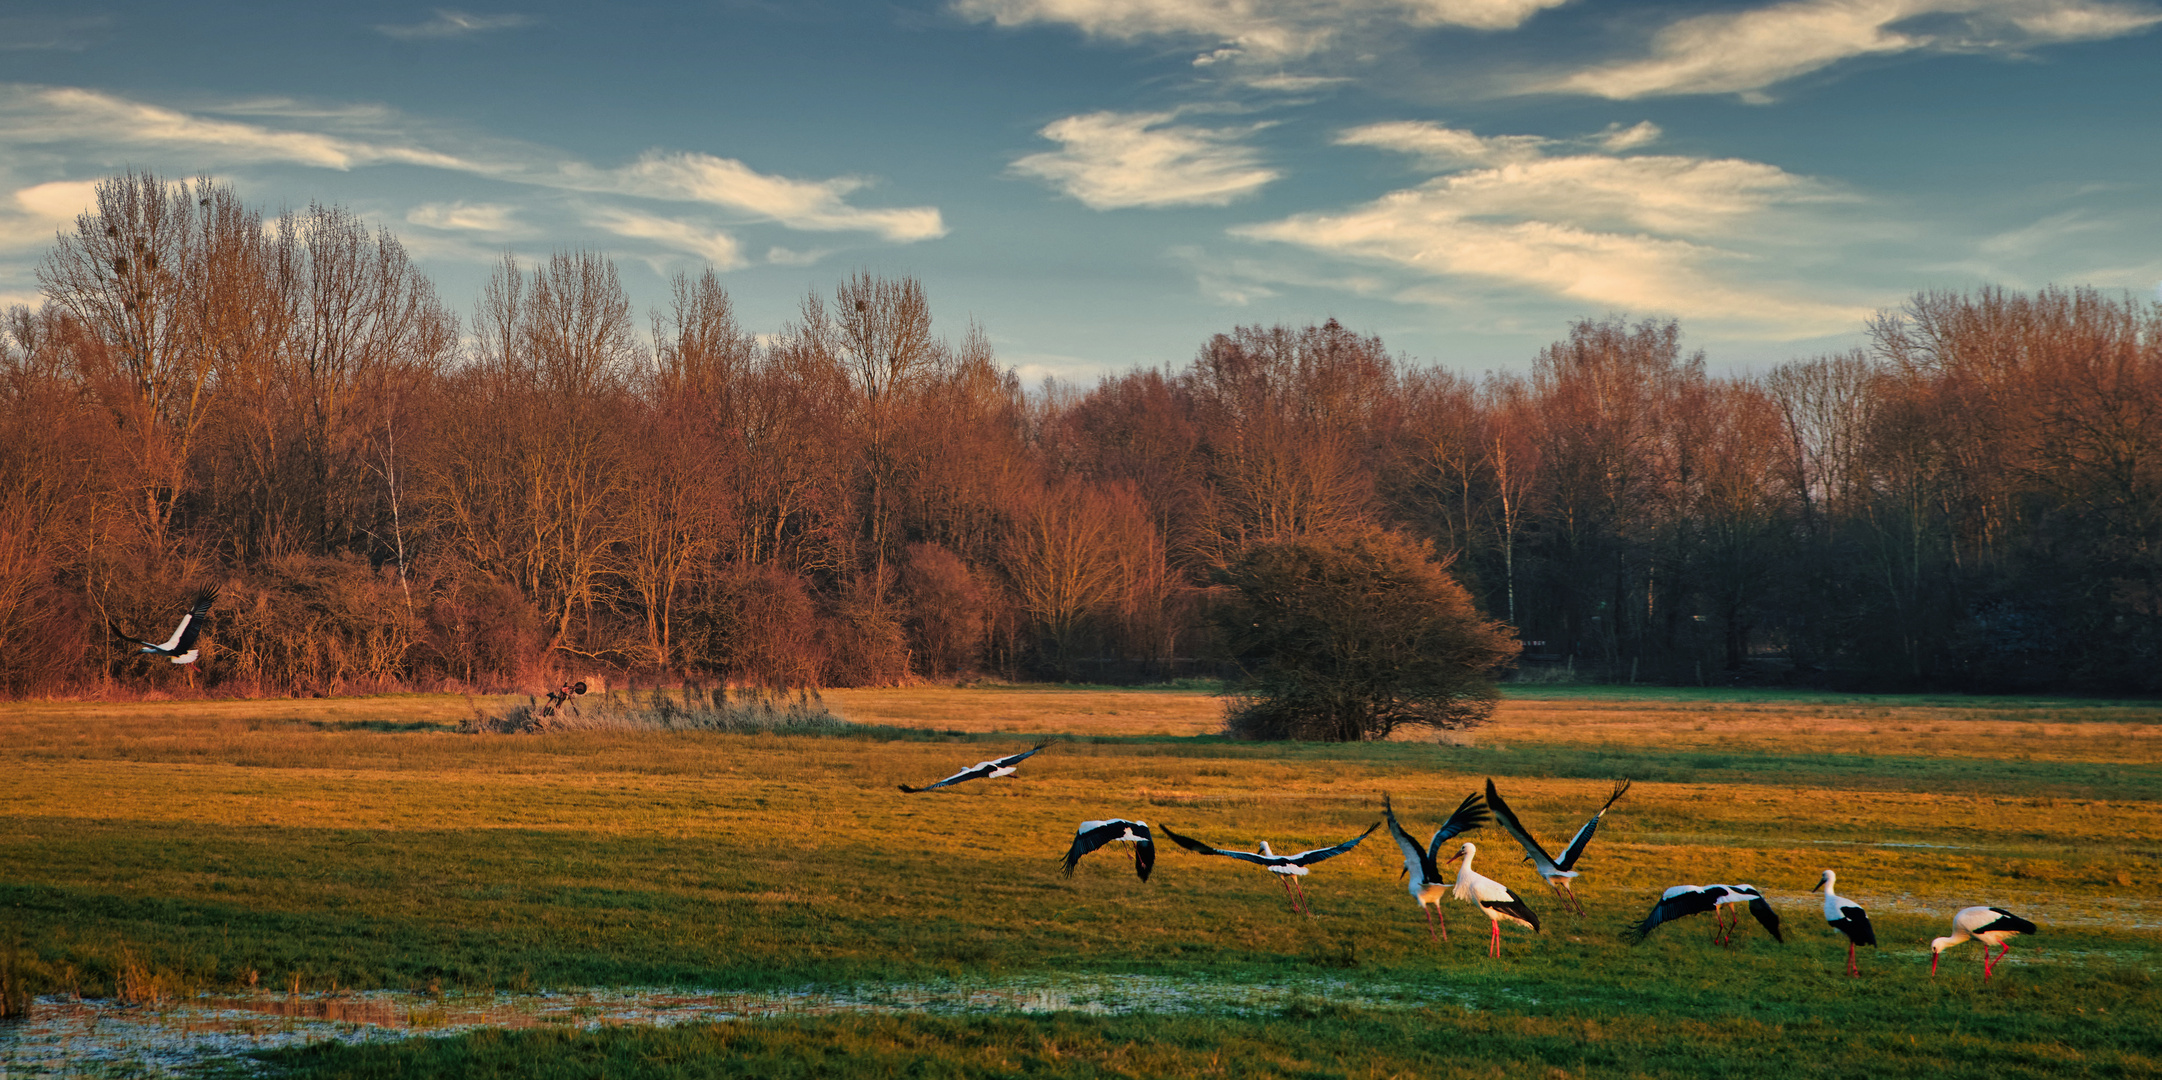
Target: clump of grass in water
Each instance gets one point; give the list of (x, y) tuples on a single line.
[(751, 712)]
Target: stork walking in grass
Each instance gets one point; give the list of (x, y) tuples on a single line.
[(1682, 901), (1496, 899), (1424, 877), (1287, 868), (1095, 834), (982, 770), (180, 648), (1847, 917), (1992, 926), (1560, 874)]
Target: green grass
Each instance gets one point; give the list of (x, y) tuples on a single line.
[(359, 844)]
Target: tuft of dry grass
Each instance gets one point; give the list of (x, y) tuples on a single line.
[(690, 708)]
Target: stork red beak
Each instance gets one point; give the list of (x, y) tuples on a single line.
[(1452, 858)]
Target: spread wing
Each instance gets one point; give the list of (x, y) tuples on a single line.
[(1416, 860), (1570, 854), (1095, 834), (1470, 814), (1509, 824), (1015, 759), (1678, 902), (973, 772), (191, 624), (1193, 845), (1309, 858)]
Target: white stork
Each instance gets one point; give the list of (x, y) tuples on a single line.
[(1557, 872), (1288, 868), (982, 770), (1095, 834), (1685, 900), (1425, 877), (1847, 917), (1496, 899), (1990, 926), (181, 646)]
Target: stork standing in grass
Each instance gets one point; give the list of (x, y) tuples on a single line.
[(1992, 926), (1424, 876), (1095, 834), (1496, 899), (982, 770), (1847, 917), (1559, 874), (1685, 900), (1287, 868)]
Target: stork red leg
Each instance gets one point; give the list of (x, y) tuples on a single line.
[(1430, 915), (1493, 947), (1305, 908), (1852, 968)]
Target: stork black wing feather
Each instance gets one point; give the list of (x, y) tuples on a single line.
[(1507, 819), (1766, 917), (1470, 814), (2005, 920), (1670, 908)]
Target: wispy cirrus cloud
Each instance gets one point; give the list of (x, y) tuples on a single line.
[(67, 33), (1265, 30), (1652, 233), (462, 216), (345, 139), (451, 23), (1744, 52), (1111, 160), (713, 245)]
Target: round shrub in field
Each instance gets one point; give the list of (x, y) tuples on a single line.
[(1350, 636)]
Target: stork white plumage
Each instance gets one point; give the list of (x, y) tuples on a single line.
[(1560, 873), (1095, 834), (1496, 899), (1992, 926), (1847, 917), (1288, 868), (1681, 901), (1424, 877), (180, 648), (982, 770)]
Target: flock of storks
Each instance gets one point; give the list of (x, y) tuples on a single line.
[(1993, 926)]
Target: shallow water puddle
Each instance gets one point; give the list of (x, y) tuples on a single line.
[(68, 1037)]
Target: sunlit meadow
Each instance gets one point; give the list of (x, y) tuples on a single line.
[(359, 861)]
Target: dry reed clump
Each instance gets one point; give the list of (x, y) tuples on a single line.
[(750, 711)]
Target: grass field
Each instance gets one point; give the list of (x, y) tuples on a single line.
[(155, 851)]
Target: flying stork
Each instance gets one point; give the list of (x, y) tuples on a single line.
[(1496, 899), (982, 770), (1424, 876), (1990, 926), (1685, 900), (1847, 917), (181, 646), (1095, 834), (1288, 868), (1557, 872)]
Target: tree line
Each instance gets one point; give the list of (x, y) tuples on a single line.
[(389, 494)]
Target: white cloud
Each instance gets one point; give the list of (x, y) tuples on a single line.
[(710, 244), (42, 211), (1744, 52), (1618, 138), (465, 216), (348, 138), (451, 23), (1651, 233), (33, 114), (1444, 147), (1113, 160), (780, 256), (815, 205), (1255, 29)]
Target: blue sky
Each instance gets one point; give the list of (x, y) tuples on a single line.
[(1103, 183)]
